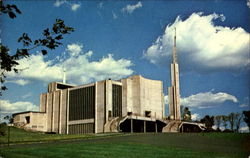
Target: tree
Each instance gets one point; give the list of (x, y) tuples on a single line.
[(231, 119), (50, 40), (224, 120), (238, 121), (218, 121), (186, 114), (9, 118), (209, 122), (247, 117)]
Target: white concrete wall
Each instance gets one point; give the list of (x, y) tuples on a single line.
[(99, 110), (37, 121), (141, 94)]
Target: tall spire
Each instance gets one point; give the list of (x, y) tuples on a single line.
[(174, 48), (174, 90)]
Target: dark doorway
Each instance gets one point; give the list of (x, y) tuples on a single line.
[(27, 118)]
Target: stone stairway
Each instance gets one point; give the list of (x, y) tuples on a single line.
[(172, 126), (113, 124)]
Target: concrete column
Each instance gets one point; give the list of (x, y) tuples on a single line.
[(144, 126), (131, 124), (155, 127)]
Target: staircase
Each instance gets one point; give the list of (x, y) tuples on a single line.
[(113, 124), (172, 126)]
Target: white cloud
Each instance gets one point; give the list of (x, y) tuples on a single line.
[(8, 107), (245, 103), (114, 15), (78, 65), (58, 3), (36, 68), (248, 3), (131, 8), (75, 49), (201, 45), (19, 82), (207, 99), (27, 95), (73, 6), (195, 116)]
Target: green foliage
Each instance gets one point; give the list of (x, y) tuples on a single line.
[(209, 121), (3, 129), (231, 119), (11, 10), (224, 121), (186, 114), (247, 117), (50, 40), (218, 121)]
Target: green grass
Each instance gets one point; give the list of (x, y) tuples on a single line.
[(20, 136), (162, 145)]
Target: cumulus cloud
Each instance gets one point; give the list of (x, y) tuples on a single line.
[(201, 45), (248, 3), (14, 107), (73, 6), (74, 49), (207, 99), (79, 67), (131, 8)]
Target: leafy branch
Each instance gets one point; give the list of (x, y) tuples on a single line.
[(50, 40)]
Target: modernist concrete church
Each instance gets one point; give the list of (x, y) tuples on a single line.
[(133, 104)]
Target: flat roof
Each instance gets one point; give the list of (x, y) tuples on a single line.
[(26, 112)]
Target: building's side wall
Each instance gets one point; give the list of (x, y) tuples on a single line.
[(63, 112), (125, 91), (151, 97), (49, 111), (131, 95), (56, 110), (81, 109), (43, 99), (140, 95), (37, 121), (108, 99), (99, 112)]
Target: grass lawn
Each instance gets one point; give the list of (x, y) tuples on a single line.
[(148, 145), (21, 136)]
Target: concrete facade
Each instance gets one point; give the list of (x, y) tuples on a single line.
[(104, 106)]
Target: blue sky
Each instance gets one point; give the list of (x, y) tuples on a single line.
[(116, 39)]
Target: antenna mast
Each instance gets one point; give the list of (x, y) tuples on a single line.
[(174, 49)]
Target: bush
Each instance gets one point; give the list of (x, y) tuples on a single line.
[(3, 129)]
